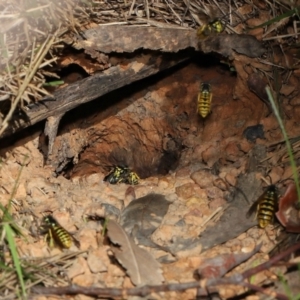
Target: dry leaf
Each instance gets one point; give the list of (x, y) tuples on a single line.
[(142, 217), (257, 85), (139, 264), (288, 213)]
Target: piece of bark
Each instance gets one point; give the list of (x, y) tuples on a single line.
[(120, 38), (50, 130), (257, 84), (90, 88)]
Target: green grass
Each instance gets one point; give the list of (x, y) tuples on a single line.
[(287, 141), (54, 83), (286, 287), (296, 179), (287, 14), (14, 253), (10, 230)]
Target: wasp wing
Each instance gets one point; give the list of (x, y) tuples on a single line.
[(252, 209)]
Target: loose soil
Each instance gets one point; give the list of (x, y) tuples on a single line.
[(153, 127)]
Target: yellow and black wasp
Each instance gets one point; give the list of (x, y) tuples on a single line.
[(56, 235), (122, 175), (116, 175), (211, 28), (265, 206), (204, 100), (132, 178)]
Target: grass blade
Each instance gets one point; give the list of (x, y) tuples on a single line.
[(12, 246), (287, 141)]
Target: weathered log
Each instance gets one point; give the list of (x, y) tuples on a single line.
[(66, 99), (120, 38)]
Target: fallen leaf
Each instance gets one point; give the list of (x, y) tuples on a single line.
[(289, 214), (218, 266), (142, 217), (257, 85), (139, 264)]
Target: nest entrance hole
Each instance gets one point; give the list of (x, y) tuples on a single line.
[(151, 126)]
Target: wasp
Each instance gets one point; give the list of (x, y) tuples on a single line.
[(117, 175), (211, 28), (265, 206), (132, 178), (122, 175), (56, 234), (204, 100)]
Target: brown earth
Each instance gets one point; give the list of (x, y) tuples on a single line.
[(153, 127)]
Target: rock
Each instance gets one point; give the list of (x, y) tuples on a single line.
[(98, 260), (287, 89), (79, 267), (214, 192), (248, 245), (203, 178), (216, 203), (211, 155), (221, 184), (276, 174), (232, 151), (88, 239), (185, 191), (184, 172), (231, 179)]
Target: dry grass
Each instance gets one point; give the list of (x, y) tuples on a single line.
[(32, 34), (49, 271), (29, 41)]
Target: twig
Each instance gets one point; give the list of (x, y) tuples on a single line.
[(265, 291), (271, 262), (202, 285)]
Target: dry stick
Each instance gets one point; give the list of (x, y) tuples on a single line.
[(271, 262), (27, 80), (237, 279), (267, 292)]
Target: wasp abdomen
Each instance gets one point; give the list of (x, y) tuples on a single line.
[(266, 209), (56, 234), (204, 100), (62, 237), (265, 206)]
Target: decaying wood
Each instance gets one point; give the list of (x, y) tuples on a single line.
[(95, 86), (51, 129), (120, 38)]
